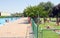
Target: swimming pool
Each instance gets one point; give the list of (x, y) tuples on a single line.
[(3, 20)]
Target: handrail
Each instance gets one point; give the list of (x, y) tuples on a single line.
[(34, 28)]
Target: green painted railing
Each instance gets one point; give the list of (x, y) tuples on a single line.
[(34, 27)]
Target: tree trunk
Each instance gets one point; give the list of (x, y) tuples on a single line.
[(49, 19), (44, 20), (57, 21)]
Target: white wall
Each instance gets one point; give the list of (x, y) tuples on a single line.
[(5, 14)]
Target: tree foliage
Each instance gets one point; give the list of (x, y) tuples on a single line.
[(43, 9), (17, 14), (56, 11)]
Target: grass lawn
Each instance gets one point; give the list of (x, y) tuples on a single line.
[(52, 24), (48, 33)]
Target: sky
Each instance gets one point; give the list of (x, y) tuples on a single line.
[(13, 6)]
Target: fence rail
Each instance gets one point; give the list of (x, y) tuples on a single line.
[(44, 33), (34, 27)]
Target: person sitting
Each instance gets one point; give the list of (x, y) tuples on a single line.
[(48, 27)]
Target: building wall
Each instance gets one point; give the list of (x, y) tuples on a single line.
[(5, 14)]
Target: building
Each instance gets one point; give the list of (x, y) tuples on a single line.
[(5, 14)]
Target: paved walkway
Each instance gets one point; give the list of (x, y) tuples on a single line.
[(17, 29)]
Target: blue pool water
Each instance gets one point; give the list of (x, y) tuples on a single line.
[(3, 20)]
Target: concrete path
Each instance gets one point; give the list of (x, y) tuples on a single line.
[(17, 29)]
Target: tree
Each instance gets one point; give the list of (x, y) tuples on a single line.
[(47, 8), (41, 10), (56, 13), (31, 11)]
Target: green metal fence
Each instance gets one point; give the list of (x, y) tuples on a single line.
[(34, 27), (44, 33)]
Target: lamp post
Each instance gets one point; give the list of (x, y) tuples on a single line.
[(37, 24)]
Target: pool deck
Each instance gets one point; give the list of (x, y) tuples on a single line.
[(18, 29)]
